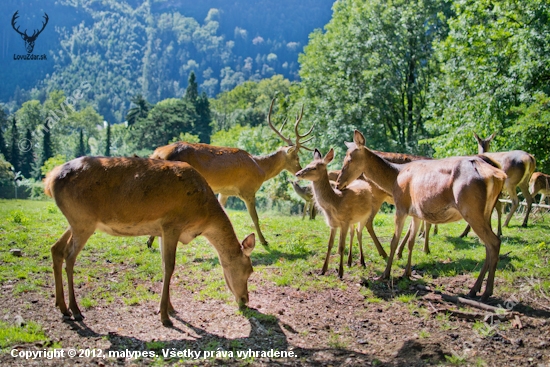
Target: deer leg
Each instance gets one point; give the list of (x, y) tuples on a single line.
[(251, 206), (402, 244), (150, 241), (525, 190), (498, 208), (341, 248), (313, 211), (466, 231), (515, 203), (351, 233), (304, 209), (370, 228), (415, 224), (169, 245), (427, 227), (223, 199), (492, 249), (360, 240), (79, 239), (329, 249), (399, 223), (435, 229), (58, 253)]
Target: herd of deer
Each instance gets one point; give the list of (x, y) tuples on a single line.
[(172, 195)]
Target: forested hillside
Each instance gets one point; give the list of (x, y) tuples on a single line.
[(150, 47)]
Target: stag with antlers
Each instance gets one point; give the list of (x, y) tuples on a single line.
[(235, 172), (29, 40)]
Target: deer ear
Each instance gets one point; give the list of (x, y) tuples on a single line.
[(358, 138), (329, 157), (477, 137), (248, 244), (290, 149), (492, 136), (317, 154), (349, 145)]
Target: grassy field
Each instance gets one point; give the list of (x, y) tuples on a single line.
[(293, 259)]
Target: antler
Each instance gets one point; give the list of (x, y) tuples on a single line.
[(13, 19), (299, 116), (43, 26)]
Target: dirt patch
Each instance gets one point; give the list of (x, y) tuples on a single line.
[(327, 327)]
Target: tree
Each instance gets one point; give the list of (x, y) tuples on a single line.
[(203, 126), (192, 91), (140, 110), (14, 158), (27, 160), (370, 69), (108, 140), (81, 148), (165, 121), (494, 59), (3, 128)]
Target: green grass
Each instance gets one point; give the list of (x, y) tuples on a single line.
[(123, 268), (12, 335)]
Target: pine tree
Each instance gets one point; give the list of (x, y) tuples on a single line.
[(3, 127), (47, 150), (204, 118), (202, 110), (81, 149), (27, 159), (108, 140), (14, 158), (192, 91)]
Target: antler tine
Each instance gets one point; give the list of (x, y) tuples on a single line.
[(285, 139), (13, 19)]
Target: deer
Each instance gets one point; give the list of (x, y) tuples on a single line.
[(306, 193), (134, 197), (519, 167), (437, 191), (540, 182), (235, 172), (399, 158), (29, 40), (342, 208)]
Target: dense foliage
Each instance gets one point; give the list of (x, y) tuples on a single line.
[(415, 76)]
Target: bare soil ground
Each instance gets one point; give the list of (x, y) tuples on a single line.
[(332, 327)]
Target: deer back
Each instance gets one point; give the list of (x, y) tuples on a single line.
[(222, 167)]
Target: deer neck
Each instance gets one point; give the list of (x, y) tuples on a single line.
[(323, 191), (380, 171), (272, 164), (222, 236)]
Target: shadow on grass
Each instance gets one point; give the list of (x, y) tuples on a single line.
[(273, 255)]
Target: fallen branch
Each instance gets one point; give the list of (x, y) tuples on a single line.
[(489, 316)]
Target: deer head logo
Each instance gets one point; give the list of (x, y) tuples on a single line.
[(29, 40)]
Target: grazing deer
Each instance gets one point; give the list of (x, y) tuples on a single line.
[(234, 172), (136, 197), (438, 191), (306, 193), (342, 209), (539, 182), (518, 166)]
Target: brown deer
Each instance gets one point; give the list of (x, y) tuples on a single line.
[(343, 208), (136, 197), (518, 166), (438, 191), (540, 182), (306, 193), (399, 158), (234, 172)]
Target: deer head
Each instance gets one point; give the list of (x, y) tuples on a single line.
[(29, 40)]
